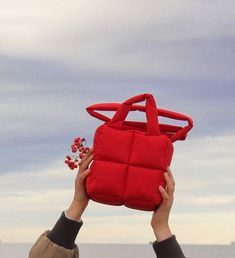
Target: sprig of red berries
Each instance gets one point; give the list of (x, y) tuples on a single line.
[(79, 150)]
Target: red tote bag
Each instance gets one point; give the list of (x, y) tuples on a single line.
[(130, 157)]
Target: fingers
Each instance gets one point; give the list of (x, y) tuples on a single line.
[(164, 193), (171, 176), (169, 184), (85, 163), (87, 155), (84, 174)]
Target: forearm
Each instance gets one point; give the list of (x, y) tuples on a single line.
[(75, 211), (162, 232)]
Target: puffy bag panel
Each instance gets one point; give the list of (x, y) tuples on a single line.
[(105, 183), (152, 151), (110, 144), (141, 190)]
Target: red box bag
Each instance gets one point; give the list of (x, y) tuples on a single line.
[(130, 157)]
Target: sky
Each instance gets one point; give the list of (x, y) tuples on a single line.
[(58, 57)]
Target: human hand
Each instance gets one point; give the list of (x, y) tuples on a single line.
[(160, 217), (80, 199)]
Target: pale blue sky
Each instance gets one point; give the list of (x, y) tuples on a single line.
[(58, 57)]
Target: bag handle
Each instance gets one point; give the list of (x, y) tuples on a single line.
[(179, 132), (151, 113)]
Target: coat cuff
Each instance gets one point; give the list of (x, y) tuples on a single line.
[(65, 232), (169, 248)]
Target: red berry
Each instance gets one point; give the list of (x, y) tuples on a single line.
[(71, 164), (77, 144), (75, 166), (76, 160), (68, 157), (83, 139), (77, 139), (73, 147), (66, 161)]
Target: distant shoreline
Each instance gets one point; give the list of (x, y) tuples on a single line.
[(232, 243)]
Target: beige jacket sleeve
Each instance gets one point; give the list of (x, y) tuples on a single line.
[(44, 248)]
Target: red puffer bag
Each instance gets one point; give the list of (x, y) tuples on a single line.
[(130, 157)]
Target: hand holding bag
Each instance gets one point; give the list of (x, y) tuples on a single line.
[(130, 157)]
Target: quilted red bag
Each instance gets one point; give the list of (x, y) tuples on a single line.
[(130, 157)]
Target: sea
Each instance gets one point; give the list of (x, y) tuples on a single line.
[(126, 251)]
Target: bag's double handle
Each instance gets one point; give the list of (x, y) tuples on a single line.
[(179, 132), (152, 127)]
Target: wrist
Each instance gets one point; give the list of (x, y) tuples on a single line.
[(75, 211), (162, 232)]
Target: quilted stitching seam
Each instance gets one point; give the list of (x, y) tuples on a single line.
[(128, 165)]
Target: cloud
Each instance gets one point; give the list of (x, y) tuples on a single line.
[(57, 58), (164, 39), (203, 227), (207, 158), (214, 200)]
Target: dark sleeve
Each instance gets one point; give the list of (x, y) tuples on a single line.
[(168, 248), (65, 232)]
